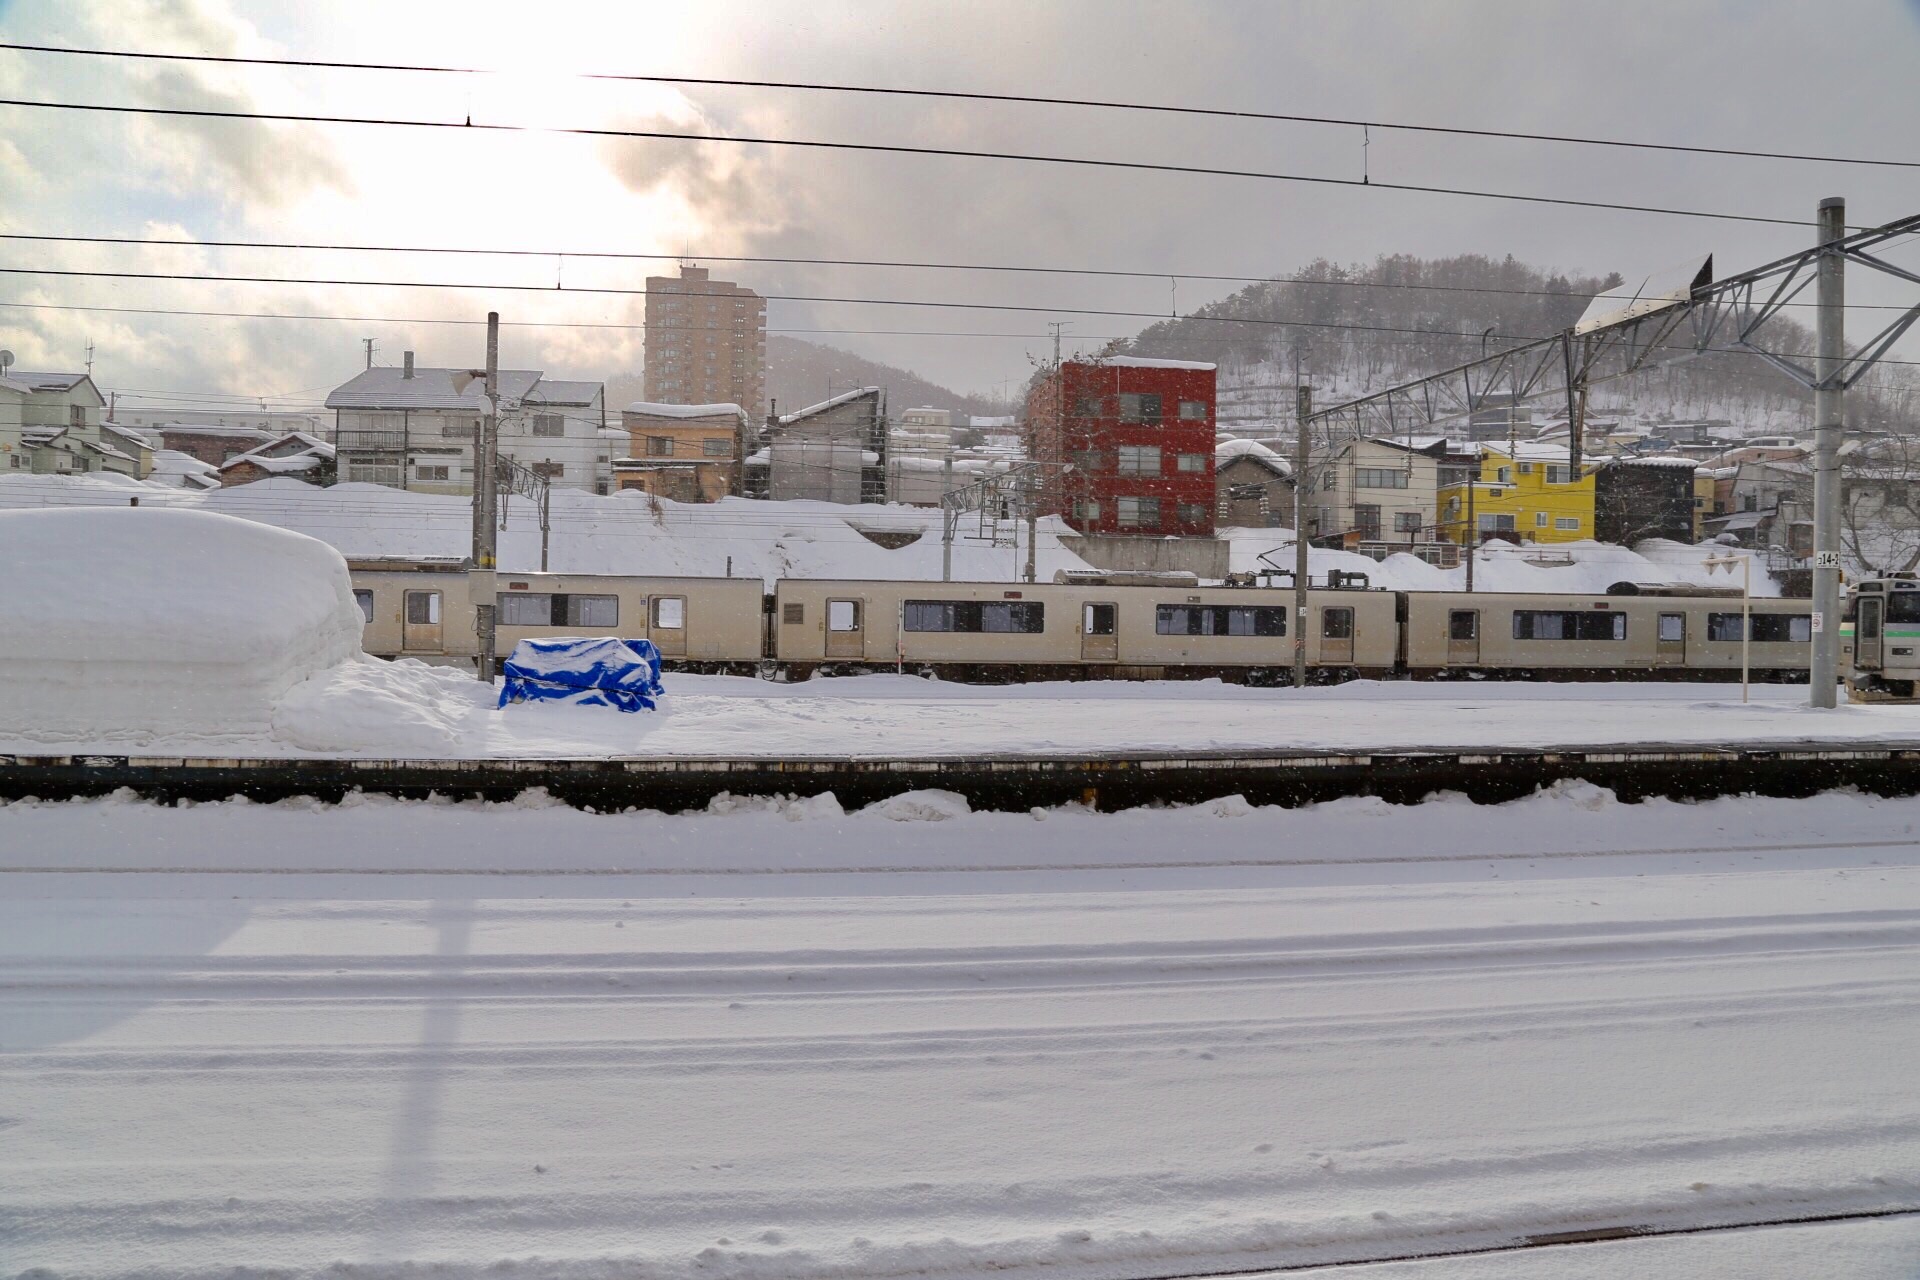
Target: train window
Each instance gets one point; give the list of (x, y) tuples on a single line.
[(365, 600), (1768, 628), (523, 609), (1336, 624), (843, 615), (557, 609), (1219, 620), (592, 611), (1102, 619), (1021, 617), (670, 612), (1673, 627), (1568, 624), (423, 607), (793, 613), (1463, 624), (1903, 606)]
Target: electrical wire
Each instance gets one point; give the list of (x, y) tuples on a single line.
[(969, 267), (978, 96), (878, 148)]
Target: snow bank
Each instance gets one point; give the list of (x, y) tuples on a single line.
[(128, 622)]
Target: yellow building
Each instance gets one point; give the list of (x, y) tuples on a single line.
[(1526, 491), (1704, 489)]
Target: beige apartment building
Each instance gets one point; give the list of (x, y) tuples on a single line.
[(706, 341)]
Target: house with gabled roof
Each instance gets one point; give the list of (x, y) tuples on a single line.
[(50, 423), (415, 428), (294, 456)]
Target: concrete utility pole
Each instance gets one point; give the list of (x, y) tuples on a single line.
[(1473, 521), (1828, 422), (1302, 410), (480, 581), (368, 342)]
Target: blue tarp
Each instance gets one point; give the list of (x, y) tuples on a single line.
[(602, 671)]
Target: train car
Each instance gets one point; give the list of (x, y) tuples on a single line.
[(424, 609), (1880, 640), (1076, 630), (1449, 633)]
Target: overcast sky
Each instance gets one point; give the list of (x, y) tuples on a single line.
[(1835, 77)]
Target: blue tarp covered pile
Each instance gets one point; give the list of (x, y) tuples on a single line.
[(603, 671)]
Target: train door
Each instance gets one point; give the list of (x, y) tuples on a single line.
[(1336, 635), (1670, 649), (846, 629), (1099, 632), (667, 625), (1463, 638), (1867, 634), (420, 628)]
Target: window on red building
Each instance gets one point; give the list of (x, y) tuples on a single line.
[(1139, 459), (1086, 510), (1193, 410), (1137, 406), (1193, 462), (1139, 513), (1191, 513), (1088, 460)]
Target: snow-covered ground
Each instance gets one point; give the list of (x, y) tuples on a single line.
[(630, 533), (408, 710), (621, 533), (1568, 568), (387, 1039)]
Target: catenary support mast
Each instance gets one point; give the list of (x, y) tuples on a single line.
[(1302, 411), (1829, 409)]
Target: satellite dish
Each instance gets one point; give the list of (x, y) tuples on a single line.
[(6, 360)]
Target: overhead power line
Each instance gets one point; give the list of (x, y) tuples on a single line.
[(612, 255), (550, 290), (1104, 104), (877, 148)]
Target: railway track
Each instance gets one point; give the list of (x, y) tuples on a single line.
[(1011, 781)]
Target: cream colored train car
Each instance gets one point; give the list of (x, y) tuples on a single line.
[(1046, 629), (696, 623), (1606, 636)]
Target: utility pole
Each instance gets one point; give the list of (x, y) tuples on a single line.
[(1473, 523), (1829, 410), (1033, 526), (1302, 410), (947, 517), (368, 343), (480, 579)]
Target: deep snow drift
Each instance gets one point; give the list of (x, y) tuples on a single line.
[(126, 623)]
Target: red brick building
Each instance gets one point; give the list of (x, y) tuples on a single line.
[(1126, 445)]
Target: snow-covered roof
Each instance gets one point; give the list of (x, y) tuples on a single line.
[(385, 387), (1229, 450), (1529, 451), (1144, 362), (210, 429), (312, 453), (845, 397), (1656, 460), (555, 391), (653, 409), (988, 421), (187, 471), (132, 435), (29, 381)]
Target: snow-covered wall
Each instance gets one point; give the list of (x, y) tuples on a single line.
[(121, 622)]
